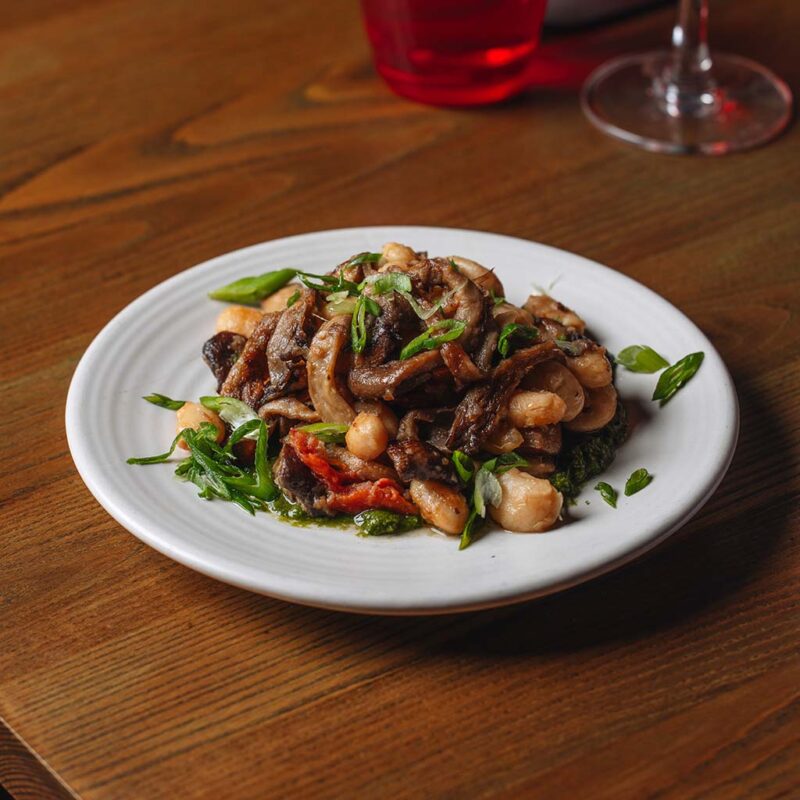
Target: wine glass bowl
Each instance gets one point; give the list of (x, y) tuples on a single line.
[(686, 100)]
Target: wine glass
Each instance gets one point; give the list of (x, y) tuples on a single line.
[(685, 100)]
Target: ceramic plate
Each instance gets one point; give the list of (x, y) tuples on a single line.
[(153, 345)]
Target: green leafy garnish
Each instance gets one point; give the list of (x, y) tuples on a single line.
[(463, 466), (363, 258), (389, 282), (676, 376), (486, 491), (514, 330), (637, 481), (641, 358), (505, 462), (161, 457), (162, 401), (328, 283), (358, 324), (608, 493), (378, 522), (213, 469), (330, 432), (233, 412), (473, 525), (293, 298), (445, 330), (251, 291)]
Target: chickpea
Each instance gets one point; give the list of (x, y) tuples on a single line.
[(440, 506), (277, 300), (532, 409), (542, 305), (506, 313), (554, 377), (601, 405), (477, 273), (529, 504), (592, 369), (387, 416), (396, 253), (192, 415), (367, 436), (239, 319), (504, 440)]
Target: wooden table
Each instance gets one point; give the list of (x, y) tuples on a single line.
[(138, 137)]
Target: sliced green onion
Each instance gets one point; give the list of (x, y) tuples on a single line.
[(463, 466), (513, 329), (252, 290), (162, 401), (330, 432), (637, 481), (677, 376), (608, 493), (641, 358), (445, 330)]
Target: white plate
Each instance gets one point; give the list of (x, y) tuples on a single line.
[(153, 345)]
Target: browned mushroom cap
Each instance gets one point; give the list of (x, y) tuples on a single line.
[(415, 460), (288, 346), (221, 351), (249, 376), (477, 273)]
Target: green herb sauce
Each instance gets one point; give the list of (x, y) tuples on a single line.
[(377, 522), (296, 515), (374, 522)]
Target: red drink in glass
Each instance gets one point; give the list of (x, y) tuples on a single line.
[(454, 52)]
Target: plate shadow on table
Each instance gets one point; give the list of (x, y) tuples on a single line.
[(716, 555)]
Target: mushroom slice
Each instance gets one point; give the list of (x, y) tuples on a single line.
[(290, 408), (327, 396)]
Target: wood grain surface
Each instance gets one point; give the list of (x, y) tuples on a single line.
[(138, 137)]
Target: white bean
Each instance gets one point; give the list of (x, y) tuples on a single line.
[(592, 369), (440, 506), (529, 504), (542, 305), (239, 319), (193, 415), (277, 300), (554, 377), (534, 409), (396, 253)]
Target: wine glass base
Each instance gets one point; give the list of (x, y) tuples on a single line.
[(751, 106)]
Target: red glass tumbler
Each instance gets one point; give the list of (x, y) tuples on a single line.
[(454, 52)]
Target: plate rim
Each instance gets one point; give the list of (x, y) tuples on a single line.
[(82, 458)]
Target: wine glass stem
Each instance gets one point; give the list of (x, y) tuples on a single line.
[(686, 87)]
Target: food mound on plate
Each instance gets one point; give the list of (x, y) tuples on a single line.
[(410, 384)]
